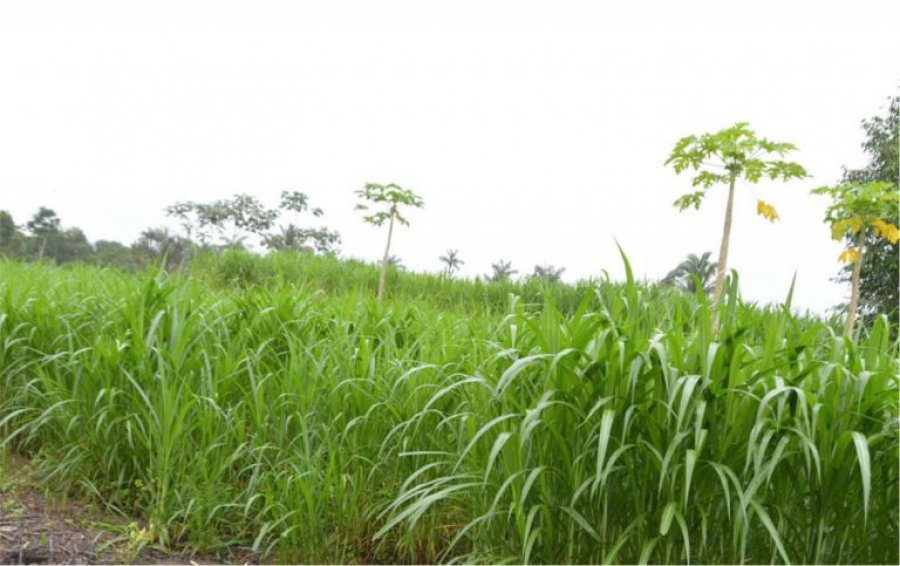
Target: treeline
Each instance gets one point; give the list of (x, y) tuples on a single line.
[(209, 229), (225, 224)]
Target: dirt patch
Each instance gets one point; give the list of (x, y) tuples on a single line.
[(35, 529)]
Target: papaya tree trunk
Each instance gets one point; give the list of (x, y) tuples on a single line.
[(854, 284), (723, 257), (384, 261)]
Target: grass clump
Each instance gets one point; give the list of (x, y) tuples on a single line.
[(295, 416)]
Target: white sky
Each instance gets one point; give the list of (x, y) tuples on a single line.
[(535, 131)]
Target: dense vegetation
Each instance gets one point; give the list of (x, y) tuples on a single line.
[(276, 404), (271, 403)]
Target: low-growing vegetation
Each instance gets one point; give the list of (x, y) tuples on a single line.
[(274, 404)]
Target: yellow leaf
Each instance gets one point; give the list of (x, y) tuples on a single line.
[(849, 255), (838, 229), (887, 231), (767, 211)]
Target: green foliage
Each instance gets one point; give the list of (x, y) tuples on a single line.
[(689, 200), (110, 253), (240, 213), (879, 283), (12, 241), (293, 237), (72, 245), (880, 276), (8, 228), (732, 153), (392, 197), (51, 241), (389, 200), (159, 248), (239, 268), (855, 206), (44, 228), (234, 219), (298, 202), (44, 222), (595, 424), (881, 143)]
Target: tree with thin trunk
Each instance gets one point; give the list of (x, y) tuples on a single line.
[(856, 209), (452, 261), (723, 158), (879, 278), (389, 198)]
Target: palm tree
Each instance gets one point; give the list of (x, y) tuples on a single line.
[(548, 273), (682, 277), (502, 271), (395, 262), (452, 261), (233, 242)]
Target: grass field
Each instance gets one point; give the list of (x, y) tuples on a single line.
[(271, 403)]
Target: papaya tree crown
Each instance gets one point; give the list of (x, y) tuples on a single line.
[(855, 207), (732, 153), (391, 195)]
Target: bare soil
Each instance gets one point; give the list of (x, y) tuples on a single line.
[(37, 529)]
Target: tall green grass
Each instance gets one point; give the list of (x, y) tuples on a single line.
[(290, 414)]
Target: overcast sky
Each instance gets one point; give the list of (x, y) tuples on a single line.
[(535, 131)]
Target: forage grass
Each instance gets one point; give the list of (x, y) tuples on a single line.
[(292, 415)]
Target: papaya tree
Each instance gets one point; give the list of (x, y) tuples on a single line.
[(879, 278), (388, 199), (857, 211), (724, 158)]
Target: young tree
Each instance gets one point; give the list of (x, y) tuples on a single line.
[(452, 261), (857, 209), (389, 198), (879, 277), (683, 275), (723, 158), (502, 271)]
